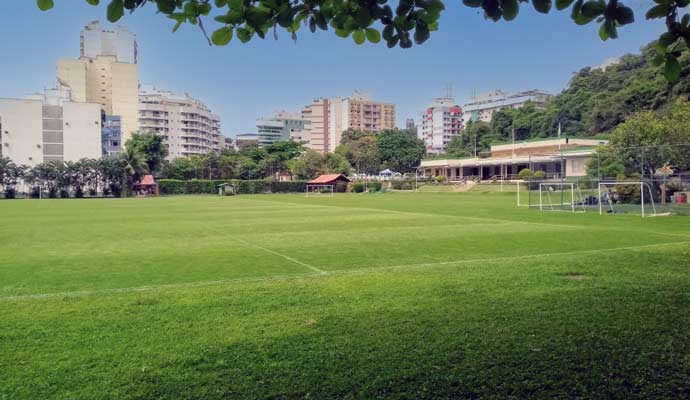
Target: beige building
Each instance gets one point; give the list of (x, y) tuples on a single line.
[(556, 157), (104, 80), (186, 124), (49, 127), (329, 118), (316, 116)]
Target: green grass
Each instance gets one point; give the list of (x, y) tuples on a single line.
[(396, 296)]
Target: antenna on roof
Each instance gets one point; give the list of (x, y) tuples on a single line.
[(448, 91)]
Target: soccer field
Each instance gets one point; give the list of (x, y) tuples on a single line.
[(397, 295)]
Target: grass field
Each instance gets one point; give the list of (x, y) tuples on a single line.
[(395, 296)]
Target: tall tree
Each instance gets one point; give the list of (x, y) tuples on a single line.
[(399, 150), (150, 146)]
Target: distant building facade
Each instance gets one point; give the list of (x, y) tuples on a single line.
[(187, 125), (246, 141), (106, 73), (441, 121), (49, 127), (483, 107), (111, 134), (119, 43), (282, 126), (558, 158), (327, 118)]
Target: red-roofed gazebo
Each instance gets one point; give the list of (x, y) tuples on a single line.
[(326, 183)]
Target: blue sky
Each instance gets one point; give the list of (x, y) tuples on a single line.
[(242, 82)]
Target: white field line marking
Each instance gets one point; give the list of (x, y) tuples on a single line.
[(499, 220), (294, 260), (499, 259), (146, 288), (250, 244), (319, 274)]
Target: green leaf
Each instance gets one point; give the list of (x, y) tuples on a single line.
[(222, 36), (593, 9), (235, 4), (510, 9), (343, 33), (563, 4), (624, 15), (373, 35), (45, 5), (359, 36), (93, 2), (659, 11), (672, 70), (116, 9), (244, 35), (472, 3), (166, 6), (543, 6), (220, 3)]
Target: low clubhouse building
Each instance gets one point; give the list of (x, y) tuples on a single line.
[(556, 157)]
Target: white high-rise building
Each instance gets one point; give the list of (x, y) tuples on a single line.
[(439, 123), (49, 127), (187, 125), (119, 42), (483, 106)]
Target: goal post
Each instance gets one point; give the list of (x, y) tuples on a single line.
[(320, 190), (626, 198), (560, 196)]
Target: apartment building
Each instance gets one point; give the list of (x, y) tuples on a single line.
[(358, 112), (482, 107), (187, 125), (49, 127), (98, 41), (246, 141), (283, 126), (328, 118), (317, 116), (106, 73), (441, 121)]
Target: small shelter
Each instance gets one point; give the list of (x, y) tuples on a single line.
[(146, 186), (326, 183), (226, 189), (329, 179)]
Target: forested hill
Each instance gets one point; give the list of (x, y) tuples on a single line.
[(595, 101)]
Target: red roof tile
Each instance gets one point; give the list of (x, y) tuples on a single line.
[(147, 180), (328, 178)]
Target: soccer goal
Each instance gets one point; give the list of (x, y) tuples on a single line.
[(626, 198), (320, 190), (560, 196)]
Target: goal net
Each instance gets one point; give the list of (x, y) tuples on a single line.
[(626, 198), (319, 190), (561, 196)]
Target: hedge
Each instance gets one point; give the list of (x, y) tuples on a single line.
[(196, 186)]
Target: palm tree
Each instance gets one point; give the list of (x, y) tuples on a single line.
[(133, 167)]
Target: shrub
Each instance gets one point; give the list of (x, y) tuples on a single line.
[(375, 186), (357, 187), (10, 193), (197, 186), (539, 175), (440, 179), (64, 194), (79, 193), (92, 192), (406, 186), (525, 174), (35, 192), (52, 193)]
